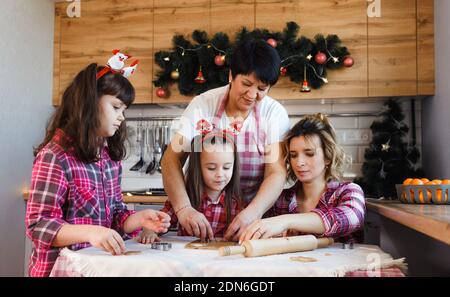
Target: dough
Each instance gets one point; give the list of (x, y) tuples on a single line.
[(211, 245), (303, 259)]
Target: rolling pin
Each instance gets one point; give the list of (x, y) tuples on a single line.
[(271, 246)]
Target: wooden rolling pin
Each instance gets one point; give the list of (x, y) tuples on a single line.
[(272, 246)]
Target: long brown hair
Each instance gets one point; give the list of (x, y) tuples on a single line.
[(194, 176), (318, 124), (78, 115)]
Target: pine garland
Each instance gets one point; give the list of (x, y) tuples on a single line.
[(181, 65)]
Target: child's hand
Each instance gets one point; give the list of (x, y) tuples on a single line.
[(107, 239), (147, 237), (156, 221)]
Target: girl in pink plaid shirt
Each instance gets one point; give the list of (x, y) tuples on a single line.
[(75, 197), (212, 184), (317, 203)]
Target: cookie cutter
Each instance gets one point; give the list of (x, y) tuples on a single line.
[(162, 246), (347, 246)]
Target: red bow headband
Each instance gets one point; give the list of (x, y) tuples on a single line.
[(208, 130), (116, 65)]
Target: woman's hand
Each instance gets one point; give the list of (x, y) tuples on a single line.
[(147, 237), (156, 221), (240, 223), (195, 223), (264, 228), (106, 239)]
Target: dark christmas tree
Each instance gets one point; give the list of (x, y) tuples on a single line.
[(390, 159)]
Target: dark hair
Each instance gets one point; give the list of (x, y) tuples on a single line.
[(194, 176), (256, 55), (318, 124), (78, 114)]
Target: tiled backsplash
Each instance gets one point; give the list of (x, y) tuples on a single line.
[(351, 120)]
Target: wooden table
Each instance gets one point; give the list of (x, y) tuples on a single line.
[(362, 260), (429, 219)]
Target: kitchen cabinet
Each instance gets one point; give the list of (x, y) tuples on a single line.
[(347, 19), (394, 53), (103, 26), (177, 17), (401, 49)]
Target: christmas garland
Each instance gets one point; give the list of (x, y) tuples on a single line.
[(203, 65)]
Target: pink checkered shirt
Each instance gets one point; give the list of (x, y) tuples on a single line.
[(65, 190), (341, 208), (215, 213)]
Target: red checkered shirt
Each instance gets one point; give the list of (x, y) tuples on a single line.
[(215, 213), (341, 208), (65, 190)]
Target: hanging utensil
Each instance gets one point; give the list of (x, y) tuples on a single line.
[(139, 143)]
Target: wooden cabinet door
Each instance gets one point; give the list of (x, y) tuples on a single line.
[(392, 50), (177, 17), (229, 16), (105, 25), (347, 19), (425, 47)]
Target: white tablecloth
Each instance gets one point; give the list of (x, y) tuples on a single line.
[(331, 261)]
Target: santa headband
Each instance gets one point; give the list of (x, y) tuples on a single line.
[(208, 131), (116, 65)]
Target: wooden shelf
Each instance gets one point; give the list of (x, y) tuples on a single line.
[(431, 220)]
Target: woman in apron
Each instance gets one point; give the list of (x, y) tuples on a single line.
[(261, 123)]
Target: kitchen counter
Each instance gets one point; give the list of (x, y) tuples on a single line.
[(130, 198), (431, 220)]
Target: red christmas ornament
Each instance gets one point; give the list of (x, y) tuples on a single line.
[(283, 71), (200, 79), (161, 93), (348, 61), (320, 58), (219, 60), (272, 42)]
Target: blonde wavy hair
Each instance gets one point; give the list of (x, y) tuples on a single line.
[(318, 124)]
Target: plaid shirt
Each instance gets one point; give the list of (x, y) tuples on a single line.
[(341, 208), (65, 190), (215, 213)]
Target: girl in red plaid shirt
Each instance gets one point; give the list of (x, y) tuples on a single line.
[(212, 184), (317, 203), (75, 196)]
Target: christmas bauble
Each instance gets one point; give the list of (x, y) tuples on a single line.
[(175, 74), (161, 92), (219, 60), (320, 58), (272, 42), (348, 61), (283, 71)]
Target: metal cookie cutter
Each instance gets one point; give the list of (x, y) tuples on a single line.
[(162, 246), (347, 246)]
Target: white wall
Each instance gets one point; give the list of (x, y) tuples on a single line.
[(26, 53), (436, 110)]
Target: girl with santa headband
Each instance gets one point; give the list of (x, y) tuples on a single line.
[(75, 196)]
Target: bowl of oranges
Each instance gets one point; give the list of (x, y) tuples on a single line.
[(424, 191)]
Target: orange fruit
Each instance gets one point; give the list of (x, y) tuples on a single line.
[(430, 195), (437, 181), (415, 182), (407, 181), (446, 182), (424, 179)]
